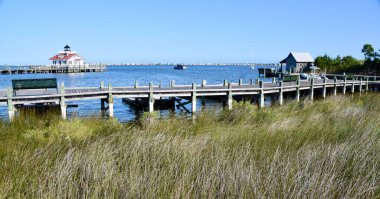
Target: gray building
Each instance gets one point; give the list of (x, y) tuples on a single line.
[(296, 62)]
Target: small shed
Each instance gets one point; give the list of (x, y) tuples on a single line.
[(297, 61)]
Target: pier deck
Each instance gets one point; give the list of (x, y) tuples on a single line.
[(52, 69), (107, 94)]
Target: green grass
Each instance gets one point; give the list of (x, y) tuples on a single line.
[(321, 149)]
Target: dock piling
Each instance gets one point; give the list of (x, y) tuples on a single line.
[(110, 101), (62, 101), (312, 89), (194, 99), (229, 97), (225, 83), (324, 88), (151, 97), (298, 92), (335, 86), (261, 98), (281, 94), (345, 85), (11, 108), (204, 82)]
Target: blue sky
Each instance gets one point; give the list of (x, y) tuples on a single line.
[(185, 31)]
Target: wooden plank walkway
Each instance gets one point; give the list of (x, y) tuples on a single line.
[(53, 69), (107, 94)]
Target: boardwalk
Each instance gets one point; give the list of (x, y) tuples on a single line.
[(52, 69), (228, 90)]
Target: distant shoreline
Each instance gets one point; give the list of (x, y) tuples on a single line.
[(153, 65)]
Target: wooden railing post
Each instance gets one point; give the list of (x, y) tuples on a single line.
[(335, 86), (361, 84), (225, 83), (136, 84), (11, 108), (367, 84), (312, 89), (298, 92), (62, 101), (281, 95), (353, 87), (229, 97), (261, 97), (251, 82), (324, 91), (204, 83), (345, 85), (151, 97), (101, 84), (172, 83), (194, 98), (240, 82), (110, 101)]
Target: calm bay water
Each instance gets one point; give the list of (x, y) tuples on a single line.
[(126, 76)]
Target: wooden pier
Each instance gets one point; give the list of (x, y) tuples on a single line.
[(53, 69), (226, 91)]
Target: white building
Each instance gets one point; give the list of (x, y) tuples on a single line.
[(67, 58)]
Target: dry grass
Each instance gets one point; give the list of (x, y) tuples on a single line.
[(325, 149)]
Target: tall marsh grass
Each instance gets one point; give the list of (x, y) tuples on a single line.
[(321, 149)]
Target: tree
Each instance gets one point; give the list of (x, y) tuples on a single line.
[(349, 61), (323, 62), (369, 51)]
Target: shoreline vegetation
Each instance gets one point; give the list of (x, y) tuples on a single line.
[(322, 149), (348, 64)]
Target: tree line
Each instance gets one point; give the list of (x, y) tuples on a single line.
[(349, 64)]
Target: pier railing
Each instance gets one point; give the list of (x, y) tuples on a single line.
[(226, 92)]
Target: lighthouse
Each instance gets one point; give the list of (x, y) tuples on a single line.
[(67, 58)]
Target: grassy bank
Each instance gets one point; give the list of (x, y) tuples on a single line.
[(325, 149)]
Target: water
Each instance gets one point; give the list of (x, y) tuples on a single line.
[(126, 76)]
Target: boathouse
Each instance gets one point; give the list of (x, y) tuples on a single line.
[(67, 58), (296, 62)]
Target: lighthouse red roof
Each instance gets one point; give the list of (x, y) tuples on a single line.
[(63, 56)]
